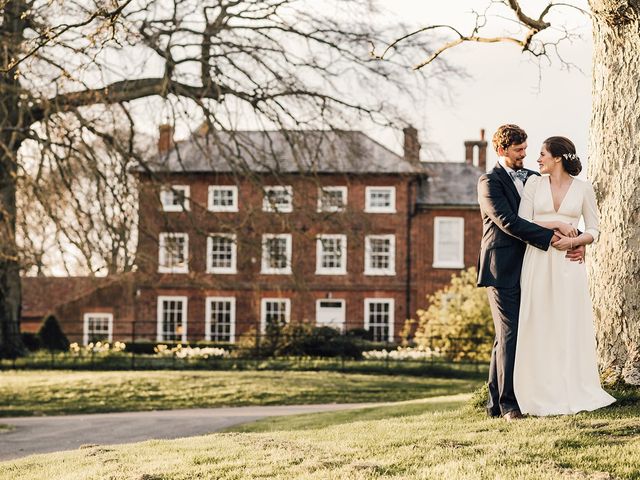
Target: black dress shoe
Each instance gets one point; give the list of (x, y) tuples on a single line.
[(513, 415)]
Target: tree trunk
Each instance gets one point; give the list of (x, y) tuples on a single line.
[(10, 286), (614, 168)]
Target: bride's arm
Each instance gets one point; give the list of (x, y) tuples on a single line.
[(565, 229)]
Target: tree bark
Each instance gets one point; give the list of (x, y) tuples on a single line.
[(614, 168)]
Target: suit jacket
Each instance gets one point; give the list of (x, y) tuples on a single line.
[(504, 233)]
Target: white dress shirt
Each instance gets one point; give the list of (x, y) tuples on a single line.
[(516, 181)]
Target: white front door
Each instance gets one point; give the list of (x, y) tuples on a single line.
[(330, 313)]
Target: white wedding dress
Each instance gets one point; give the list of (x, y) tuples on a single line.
[(556, 370)]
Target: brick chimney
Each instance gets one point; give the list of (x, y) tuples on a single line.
[(411, 145), (165, 139), (469, 147)]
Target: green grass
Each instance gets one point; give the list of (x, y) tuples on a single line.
[(56, 392), (446, 444)]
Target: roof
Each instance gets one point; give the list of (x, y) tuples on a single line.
[(449, 184), (281, 151), (41, 295)]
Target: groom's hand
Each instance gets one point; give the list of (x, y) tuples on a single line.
[(576, 254)]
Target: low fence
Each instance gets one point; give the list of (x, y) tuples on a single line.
[(311, 349)]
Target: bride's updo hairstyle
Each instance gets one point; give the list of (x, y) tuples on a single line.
[(564, 148)]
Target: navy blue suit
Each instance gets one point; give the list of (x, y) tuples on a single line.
[(504, 239)]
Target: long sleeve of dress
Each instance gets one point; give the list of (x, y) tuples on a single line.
[(526, 203), (590, 212)]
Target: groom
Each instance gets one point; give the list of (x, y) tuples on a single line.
[(504, 239)]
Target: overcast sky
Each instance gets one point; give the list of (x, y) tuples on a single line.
[(506, 86)]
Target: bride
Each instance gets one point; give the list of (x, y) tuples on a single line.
[(556, 370)]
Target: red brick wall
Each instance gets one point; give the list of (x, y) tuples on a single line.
[(303, 286)]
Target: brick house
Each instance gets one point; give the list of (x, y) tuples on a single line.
[(238, 230)]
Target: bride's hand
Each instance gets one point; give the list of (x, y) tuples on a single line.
[(565, 243), (567, 229)]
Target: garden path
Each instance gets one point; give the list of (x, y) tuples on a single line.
[(31, 435)]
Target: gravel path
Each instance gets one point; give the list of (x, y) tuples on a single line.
[(52, 434)]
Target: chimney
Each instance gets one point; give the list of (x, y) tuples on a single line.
[(469, 147), (165, 139), (411, 145)]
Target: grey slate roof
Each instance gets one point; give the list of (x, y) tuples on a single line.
[(316, 151), (310, 151), (449, 184)]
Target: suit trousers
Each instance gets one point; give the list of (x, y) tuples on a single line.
[(505, 309)]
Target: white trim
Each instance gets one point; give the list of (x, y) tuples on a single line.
[(185, 311), (263, 311), (267, 206), (207, 319), (320, 270), (375, 209), (343, 308), (85, 325), (391, 270), (437, 262), (162, 253), (289, 249), (228, 208), (168, 193), (391, 302), (332, 208), (234, 254)]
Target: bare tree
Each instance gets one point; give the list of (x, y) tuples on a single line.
[(279, 63), (614, 157)]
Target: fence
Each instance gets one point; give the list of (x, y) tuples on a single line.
[(292, 348)]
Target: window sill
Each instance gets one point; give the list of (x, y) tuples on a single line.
[(456, 266)]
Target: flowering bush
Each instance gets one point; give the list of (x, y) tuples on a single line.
[(97, 347), (190, 352), (403, 353)]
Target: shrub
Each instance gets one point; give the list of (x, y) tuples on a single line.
[(458, 320), (31, 341), (301, 339), (51, 335)]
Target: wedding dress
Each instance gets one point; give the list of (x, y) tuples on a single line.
[(556, 370)]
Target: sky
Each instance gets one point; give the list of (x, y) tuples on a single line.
[(506, 86)]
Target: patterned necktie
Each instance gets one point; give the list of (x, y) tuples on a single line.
[(520, 175)]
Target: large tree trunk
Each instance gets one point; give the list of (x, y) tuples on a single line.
[(614, 167), (11, 136), (10, 291)]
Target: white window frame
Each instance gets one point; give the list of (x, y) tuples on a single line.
[(437, 262), (234, 254), (332, 208), (376, 209), (265, 269), (342, 269), (226, 208), (185, 315), (391, 270), (267, 206), (162, 268), (391, 302), (207, 320), (85, 327), (167, 193), (263, 311)]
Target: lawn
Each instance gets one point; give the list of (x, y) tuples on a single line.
[(54, 392), (430, 439)]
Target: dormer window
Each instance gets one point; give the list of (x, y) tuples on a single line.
[(175, 198)]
